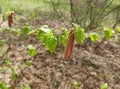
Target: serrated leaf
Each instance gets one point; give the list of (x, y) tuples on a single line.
[(63, 38), (94, 37), (40, 34), (108, 33), (51, 43), (79, 33)]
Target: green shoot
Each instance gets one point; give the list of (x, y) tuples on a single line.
[(108, 33), (31, 50), (76, 85), (94, 37), (104, 86), (29, 63), (13, 73)]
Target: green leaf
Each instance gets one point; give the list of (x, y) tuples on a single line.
[(40, 34), (17, 18), (46, 29), (63, 38), (94, 37), (29, 63), (14, 74), (108, 33), (118, 29), (50, 43), (7, 62), (76, 85), (31, 50), (79, 33), (3, 86), (32, 32), (25, 29), (104, 86), (64, 30), (6, 14), (92, 4)]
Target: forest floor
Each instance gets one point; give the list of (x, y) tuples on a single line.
[(90, 66)]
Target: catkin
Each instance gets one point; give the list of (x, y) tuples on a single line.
[(10, 20), (69, 46)]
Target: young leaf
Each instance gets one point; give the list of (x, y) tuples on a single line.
[(25, 29), (46, 29), (50, 43), (31, 50), (6, 14), (104, 86), (94, 37), (76, 85), (40, 34), (108, 33), (13, 73), (63, 38), (29, 63), (79, 33), (118, 29)]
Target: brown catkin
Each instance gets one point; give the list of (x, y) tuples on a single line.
[(10, 20), (69, 46)]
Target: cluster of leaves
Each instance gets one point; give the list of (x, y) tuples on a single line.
[(80, 35), (47, 38)]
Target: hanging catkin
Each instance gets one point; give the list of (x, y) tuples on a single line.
[(10, 20), (69, 45)]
